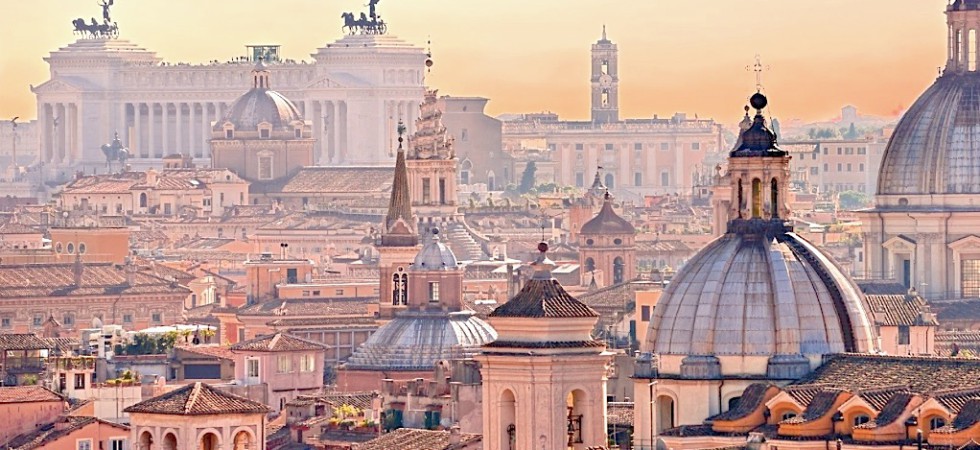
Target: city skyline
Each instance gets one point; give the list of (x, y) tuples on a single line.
[(855, 61)]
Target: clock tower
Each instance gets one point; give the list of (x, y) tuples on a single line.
[(605, 81)]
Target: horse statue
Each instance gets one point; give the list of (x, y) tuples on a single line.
[(95, 29), (366, 26)]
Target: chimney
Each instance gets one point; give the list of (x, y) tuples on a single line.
[(130, 270), (77, 269), (454, 436)]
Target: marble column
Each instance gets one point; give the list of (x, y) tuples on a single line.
[(180, 144), (165, 148), (136, 142), (151, 146)]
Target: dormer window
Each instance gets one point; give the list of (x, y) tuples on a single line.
[(299, 133), (433, 292), (229, 133), (264, 133)]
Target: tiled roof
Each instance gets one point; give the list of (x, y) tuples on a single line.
[(957, 311), (311, 307), (43, 436), (317, 180), (955, 399), (549, 344), (57, 279), (412, 439), (620, 413), (543, 298), (11, 227), (752, 397), (279, 342), (903, 309), (24, 341), (819, 405), (359, 400), (27, 394), (195, 400), (856, 372), (663, 246), (968, 416), (881, 287), (879, 397), (214, 351), (890, 411)]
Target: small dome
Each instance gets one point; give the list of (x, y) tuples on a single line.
[(935, 149), (607, 221), (746, 294), (419, 340), (261, 104), (435, 256), (961, 5)]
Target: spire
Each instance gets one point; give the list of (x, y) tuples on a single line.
[(399, 225), (604, 40)]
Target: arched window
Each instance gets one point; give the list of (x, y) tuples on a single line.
[(665, 413), (756, 198), (146, 441), (787, 415), (143, 200), (508, 420), (209, 442), (589, 264), (399, 291), (575, 401), (243, 441), (169, 442), (491, 181), (619, 270), (610, 181), (936, 422), (741, 199), (775, 199)]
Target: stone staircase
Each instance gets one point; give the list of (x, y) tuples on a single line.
[(463, 244)]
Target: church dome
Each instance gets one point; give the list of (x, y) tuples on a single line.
[(747, 294), (435, 255), (607, 221), (935, 148), (418, 340), (261, 104)]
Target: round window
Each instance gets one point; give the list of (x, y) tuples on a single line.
[(71, 248), (589, 242), (81, 248), (618, 241), (58, 248), (903, 201)]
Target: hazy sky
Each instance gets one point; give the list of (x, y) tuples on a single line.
[(529, 56)]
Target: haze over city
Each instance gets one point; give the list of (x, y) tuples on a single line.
[(532, 56)]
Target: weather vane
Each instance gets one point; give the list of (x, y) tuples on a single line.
[(758, 68)]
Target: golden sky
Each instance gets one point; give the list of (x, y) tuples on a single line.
[(533, 55)]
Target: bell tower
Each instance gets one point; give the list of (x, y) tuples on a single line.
[(605, 81)]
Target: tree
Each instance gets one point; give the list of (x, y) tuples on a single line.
[(852, 132), (527, 179), (853, 200)]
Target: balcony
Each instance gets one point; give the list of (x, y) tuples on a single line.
[(23, 365)]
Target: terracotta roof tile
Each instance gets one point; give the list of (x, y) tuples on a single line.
[(412, 439), (752, 397), (620, 413), (279, 342), (819, 405), (195, 400), (340, 179), (57, 279), (24, 341), (896, 310), (43, 436), (890, 411), (311, 307), (921, 374), (607, 221), (968, 416), (214, 351), (543, 298), (28, 394)]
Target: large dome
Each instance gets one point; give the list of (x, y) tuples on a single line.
[(746, 294), (417, 340), (261, 104), (935, 148)]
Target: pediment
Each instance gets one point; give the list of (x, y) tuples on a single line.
[(970, 242), (56, 86), (899, 244), (324, 83), (784, 397)]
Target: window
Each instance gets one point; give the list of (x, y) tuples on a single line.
[(861, 419), (83, 444), (936, 422), (970, 284), (464, 135), (848, 167), (167, 209), (252, 368), (426, 191), (840, 167), (81, 248), (903, 335), (229, 134), (825, 150), (298, 133), (665, 179), (839, 151), (79, 381), (306, 363), (265, 167), (645, 313), (610, 147), (826, 167), (433, 292), (68, 319), (291, 276), (862, 151), (5, 322), (788, 415), (340, 292), (264, 133), (71, 248), (814, 171), (127, 318), (664, 146), (579, 179), (37, 320), (117, 444), (579, 147), (695, 146), (637, 179), (285, 364), (861, 167), (638, 146), (156, 317)]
